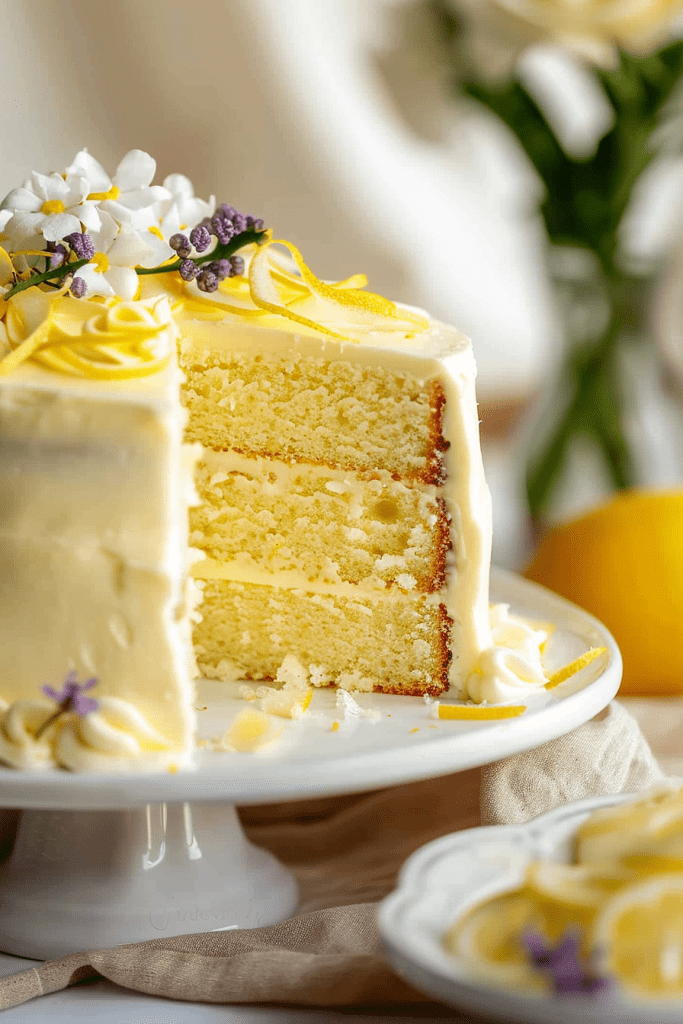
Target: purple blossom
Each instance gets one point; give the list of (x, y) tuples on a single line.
[(71, 697), (562, 964), (207, 281), (227, 267), (81, 244), (222, 225), (59, 254), (255, 224), (188, 270), (78, 288), (201, 237), (181, 244), (221, 268)]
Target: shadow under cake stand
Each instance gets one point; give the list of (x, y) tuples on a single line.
[(99, 860)]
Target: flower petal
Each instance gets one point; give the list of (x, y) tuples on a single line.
[(23, 230), (89, 216), (124, 281), (48, 186), (96, 283), (137, 199), (136, 170), (77, 189), (97, 178), (21, 199), (108, 231), (58, 225), (178, 185), (128, 249), (160, 251)]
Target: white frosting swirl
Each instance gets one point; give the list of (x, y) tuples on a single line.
[(115, 737), (512, 667), (18, 726)]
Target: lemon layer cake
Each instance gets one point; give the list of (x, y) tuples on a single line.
[(218, 460), (344, 515)]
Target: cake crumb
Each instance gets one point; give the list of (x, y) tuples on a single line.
[(250, 730), (292, 671), (247, 692), (416, 729), (352, 709), (334, 727)]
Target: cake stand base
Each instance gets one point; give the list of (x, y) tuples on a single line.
[(79, 880)]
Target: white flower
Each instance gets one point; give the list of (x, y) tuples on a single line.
[(499, 30), (117, 251), (46, 207), (183, 211), (127, 197)]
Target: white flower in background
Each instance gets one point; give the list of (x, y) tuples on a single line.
[(45, 209), (117, 251), (183, 211), (499, 30), (128, 197)]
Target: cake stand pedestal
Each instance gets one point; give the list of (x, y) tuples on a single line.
[(99, 860), (80, 880)]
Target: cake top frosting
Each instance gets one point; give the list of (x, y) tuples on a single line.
[(85, 236)]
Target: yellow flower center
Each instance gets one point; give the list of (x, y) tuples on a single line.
[(154, 230), (113, 193), (52, 206), (101, 263)]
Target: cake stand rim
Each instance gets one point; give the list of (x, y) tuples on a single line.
[(263, 782)]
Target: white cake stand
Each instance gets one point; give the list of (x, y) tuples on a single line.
[(98, 860)]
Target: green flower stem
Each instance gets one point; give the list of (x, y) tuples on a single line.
[(49, 276), (221, 252), (595, 410)]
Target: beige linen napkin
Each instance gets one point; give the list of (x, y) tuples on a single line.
[(346, 854)]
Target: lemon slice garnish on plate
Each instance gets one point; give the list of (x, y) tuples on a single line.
[(617, 832), (580, 887), (638, 937), (488, 939)]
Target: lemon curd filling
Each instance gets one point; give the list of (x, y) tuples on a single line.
[(621, 897)]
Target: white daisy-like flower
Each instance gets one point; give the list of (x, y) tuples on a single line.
[(184, 210), (128, 196), (118, 250), (46, 208)]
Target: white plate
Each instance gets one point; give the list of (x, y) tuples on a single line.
[(403, 745), (444, 878)]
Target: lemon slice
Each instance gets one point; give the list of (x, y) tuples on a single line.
[(579, 887), (638, 937), (489, 939), (616, 832)]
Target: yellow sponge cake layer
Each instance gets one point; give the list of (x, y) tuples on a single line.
[(311, 407), (360, 643), (328, 524)]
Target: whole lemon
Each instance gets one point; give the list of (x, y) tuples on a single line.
[(623, 562)]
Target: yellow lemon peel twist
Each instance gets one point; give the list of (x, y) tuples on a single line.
[(574, 666), (469, 712), (88, 339)]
